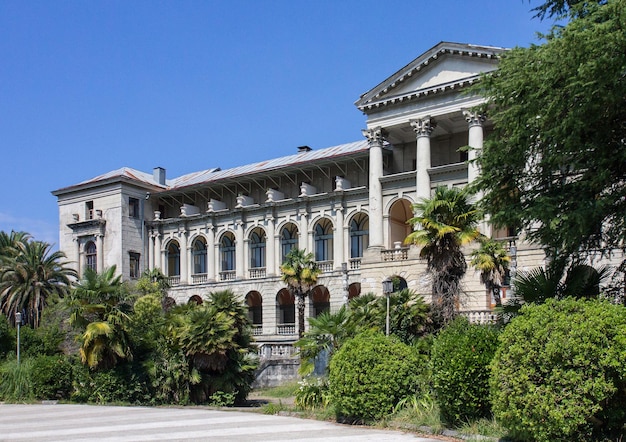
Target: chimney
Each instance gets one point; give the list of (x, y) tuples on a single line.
[(302, 149), (158, 173)]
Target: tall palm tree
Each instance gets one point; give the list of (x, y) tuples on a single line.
[(99, 307), (9, 243), (446, 222), (30, 277), (300, 272), (492, 261)]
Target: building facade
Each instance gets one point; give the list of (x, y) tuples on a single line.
[(349, 204)]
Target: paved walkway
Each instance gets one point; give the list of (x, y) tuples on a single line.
[(107, 423)]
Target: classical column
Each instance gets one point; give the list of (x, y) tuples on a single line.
[(270, 248), (375, 138), (239, 250), (423, 127), (338, 242), (100, 253), (475, 141), (211, 264), (184, 258)]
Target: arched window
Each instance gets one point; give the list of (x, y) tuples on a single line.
[(195, 299), (285, 313), (91, 256), (288, 240), (320, 301), (254, 301), (359, 235), (199, 256), (227, 252), (257, 249), (323, 235), (173, 259)]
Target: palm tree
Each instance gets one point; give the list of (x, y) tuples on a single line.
[(300, 272), (9, 243), (492, 261), (446, 222), (326, 334), (31, 276), (99, 307)]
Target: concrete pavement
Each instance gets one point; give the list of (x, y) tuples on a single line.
[(60, 422)]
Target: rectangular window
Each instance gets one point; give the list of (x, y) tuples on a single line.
[(134, 265), (89, 210), (133, 207)]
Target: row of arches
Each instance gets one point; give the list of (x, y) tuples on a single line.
[(257, 240)]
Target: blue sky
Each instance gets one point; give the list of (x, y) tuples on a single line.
[(91, 86)]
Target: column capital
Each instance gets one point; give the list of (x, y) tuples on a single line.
[(374, 135), (473, 118), (423, 127)]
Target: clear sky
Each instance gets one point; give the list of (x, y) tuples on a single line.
[(87, 87)]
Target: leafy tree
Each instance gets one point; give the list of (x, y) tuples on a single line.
[(100, 307), (31, 277), (300, 272), (492, 261), (555, 163), (445, 223)]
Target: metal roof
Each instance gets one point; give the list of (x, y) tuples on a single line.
[(216, 174), (213, 175)]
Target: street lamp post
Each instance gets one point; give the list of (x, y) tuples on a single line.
[(387, 289), (18, 322)]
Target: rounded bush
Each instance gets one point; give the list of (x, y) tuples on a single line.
[(51, 377), (560, 371), (460, 358), (370, 374)]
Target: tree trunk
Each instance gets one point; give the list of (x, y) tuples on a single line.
[(300, 298)]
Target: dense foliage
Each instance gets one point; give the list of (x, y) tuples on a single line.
[(51, 377), (555, 163), (560, 371), (460, 358), (370, 374)]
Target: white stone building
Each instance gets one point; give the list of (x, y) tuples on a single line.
[(348, 204)]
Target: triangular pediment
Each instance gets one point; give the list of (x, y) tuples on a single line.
[(446, 65)]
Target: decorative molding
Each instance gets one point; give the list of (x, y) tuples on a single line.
[(374, 135), (473, 118), (423, 127)]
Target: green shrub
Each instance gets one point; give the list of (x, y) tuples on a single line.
[(122, 384), (560, 372), (51, 377), (370, 374), (460, 358), (15, 383), (45, 340)]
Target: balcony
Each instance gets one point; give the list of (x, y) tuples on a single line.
[(325, 266), (199, 278), (396, 254), (173, 280), (276, 351), (257, 272), (480, 316), (257, 330), (227, 276), (355, 263), (286, 329)]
